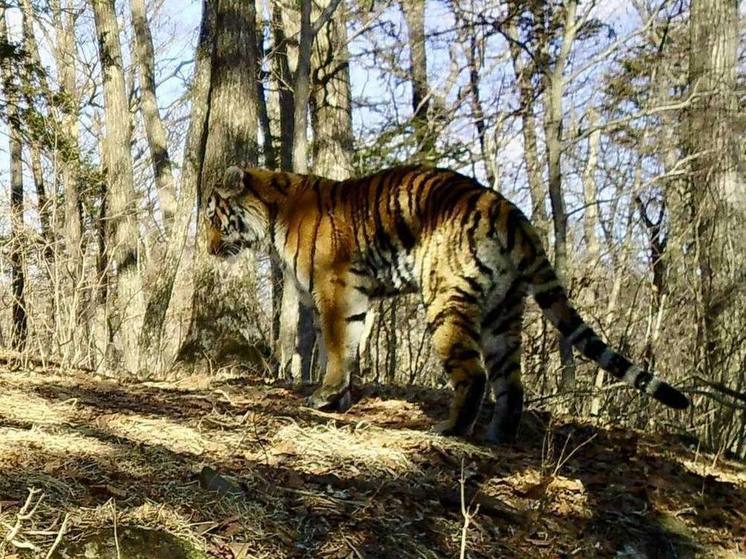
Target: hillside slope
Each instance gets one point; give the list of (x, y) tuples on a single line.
[(239, 468)]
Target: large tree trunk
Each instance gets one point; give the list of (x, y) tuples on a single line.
[(162, 289), (717, 197), (18, 279), (331, 114), (221, 326), (70, 315), (32, 51), (123, 236), (154, 129)]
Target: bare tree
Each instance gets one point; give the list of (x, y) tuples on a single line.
[(35, 69), (716, 196), (15, 147), (122, 235), (297, 335), (162, 289), (553, 115), (414, 16), (156, 132)]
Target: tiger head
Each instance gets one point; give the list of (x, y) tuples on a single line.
[(237, 216)]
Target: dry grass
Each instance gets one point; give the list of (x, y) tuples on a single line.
[(370, 483)]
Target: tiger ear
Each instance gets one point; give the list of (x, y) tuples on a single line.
[(232, 182)]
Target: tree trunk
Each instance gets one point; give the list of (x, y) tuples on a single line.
[(331, 101), (162, 289), (154, 129), (72, 293), (414, 17), (331, 112), (590, 193), (32, 51), (221, 325), (123, 236), (716, 195), (296, 319), (553, 134), (18, 280), (527, 96)]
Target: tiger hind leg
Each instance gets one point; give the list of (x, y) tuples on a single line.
[(501, 346), (455, 339)]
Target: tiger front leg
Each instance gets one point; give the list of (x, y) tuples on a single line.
[(342, 312)]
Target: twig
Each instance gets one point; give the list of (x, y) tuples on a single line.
[(465, 512), (116, 536), (60, 535)]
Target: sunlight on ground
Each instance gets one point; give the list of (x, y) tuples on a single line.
[(330, 485), (362, 447)]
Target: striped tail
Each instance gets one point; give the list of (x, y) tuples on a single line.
[(551, 297)]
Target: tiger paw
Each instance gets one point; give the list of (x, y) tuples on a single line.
[(448, 429), (330, 399)]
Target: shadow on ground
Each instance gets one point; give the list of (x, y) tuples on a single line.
[(239, 468)]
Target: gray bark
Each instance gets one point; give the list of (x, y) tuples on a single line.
[(296, 319), (527, 96), (162, 289), (717, 197), (221, 325), (122, 236), (553, 115), (32, 51), (154, 129), (590, 193), (414, 17)]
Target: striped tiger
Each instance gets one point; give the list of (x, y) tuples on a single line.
[(471, 254)]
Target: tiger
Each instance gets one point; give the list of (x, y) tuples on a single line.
[(472, 255)]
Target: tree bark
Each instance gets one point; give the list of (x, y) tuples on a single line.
[(590, 192), (123, 235), (221, 325), (154, 129), (18, 280), (527, 96), (716, 195), (32, 51), (296, 319), (553, 115), (414, 17), (162, 289)]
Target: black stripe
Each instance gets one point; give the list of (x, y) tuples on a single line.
[(464, 296), (508, 321), (595, 348), (356, 317), (547, 298), (642, 380), (511, 226)]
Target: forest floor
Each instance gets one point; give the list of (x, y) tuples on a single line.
[(235, 467)]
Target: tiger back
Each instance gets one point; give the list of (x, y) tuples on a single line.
[(471, 254)]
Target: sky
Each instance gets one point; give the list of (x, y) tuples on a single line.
[(175, 34)]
